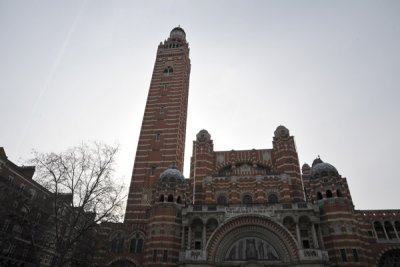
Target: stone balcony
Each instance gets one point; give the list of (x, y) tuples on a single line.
[(193, 255), (305, 255), (313, 254), (250, 208), (388, 241)]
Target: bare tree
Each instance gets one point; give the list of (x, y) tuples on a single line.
[(84, 194)]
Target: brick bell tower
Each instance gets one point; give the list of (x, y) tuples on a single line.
[(162, 135)]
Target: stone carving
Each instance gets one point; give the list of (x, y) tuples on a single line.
[(245, 169), (267, 156), (251, 249), (237, 211), (251, 253), (195, 255), (220, 158)]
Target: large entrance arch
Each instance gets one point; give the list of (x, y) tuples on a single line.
[(390, 258), (251, 239), (122, 262)]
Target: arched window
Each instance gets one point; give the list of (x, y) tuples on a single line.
[(132, 248), (328, 193), (290, 224), (319, 196), (139, 245), (305, 232), (397, 226), (178, 200), (136, 244), (170, 198), (211, 225), (120, 247), (272, 199), (389, 230), (197, 230), (379, 230), (221, 200), (168, 71), (247, 199), (153, 170), (165, 256), (113, 247), (338, 193), (117, 244), (162, 198)]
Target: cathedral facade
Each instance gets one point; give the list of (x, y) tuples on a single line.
[(248, 208)]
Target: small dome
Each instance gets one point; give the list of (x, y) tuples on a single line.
[(178, 32), (305, 169), (321, 169), (317, 161), (171, 175), (203, 135), (281, 131)]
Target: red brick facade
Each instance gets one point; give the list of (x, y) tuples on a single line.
[(162, 136), (237, 208)]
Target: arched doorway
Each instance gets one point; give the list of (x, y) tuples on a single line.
[(251, 248), (122, 263), (390, 258), (251, 240)]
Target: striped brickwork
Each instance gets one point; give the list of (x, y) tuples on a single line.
[(162, 137)]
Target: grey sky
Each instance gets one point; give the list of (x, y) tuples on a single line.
[(72, 71)]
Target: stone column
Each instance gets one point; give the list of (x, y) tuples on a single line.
[(314, 235), (204, 237), (298, 235), (384, 230), (395, 231), (189, 244), (321, 239), (183, 238), (373, 229)]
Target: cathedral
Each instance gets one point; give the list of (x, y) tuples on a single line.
[(248, 208)]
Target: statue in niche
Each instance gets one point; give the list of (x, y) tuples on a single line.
[(245, 169), (271, 254), (240, 250), (261, 250), (251, 252)]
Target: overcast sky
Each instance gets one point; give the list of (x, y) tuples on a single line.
[(73, 71)]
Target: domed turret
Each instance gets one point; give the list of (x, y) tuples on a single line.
[(317, 161), (321, 169), (203, 135), (178, 33), (171, 175), (306, 169), (281, 131)]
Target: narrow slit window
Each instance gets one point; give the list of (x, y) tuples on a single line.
[(154, 255), (343, 254), (165, 256), (153, 170)]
